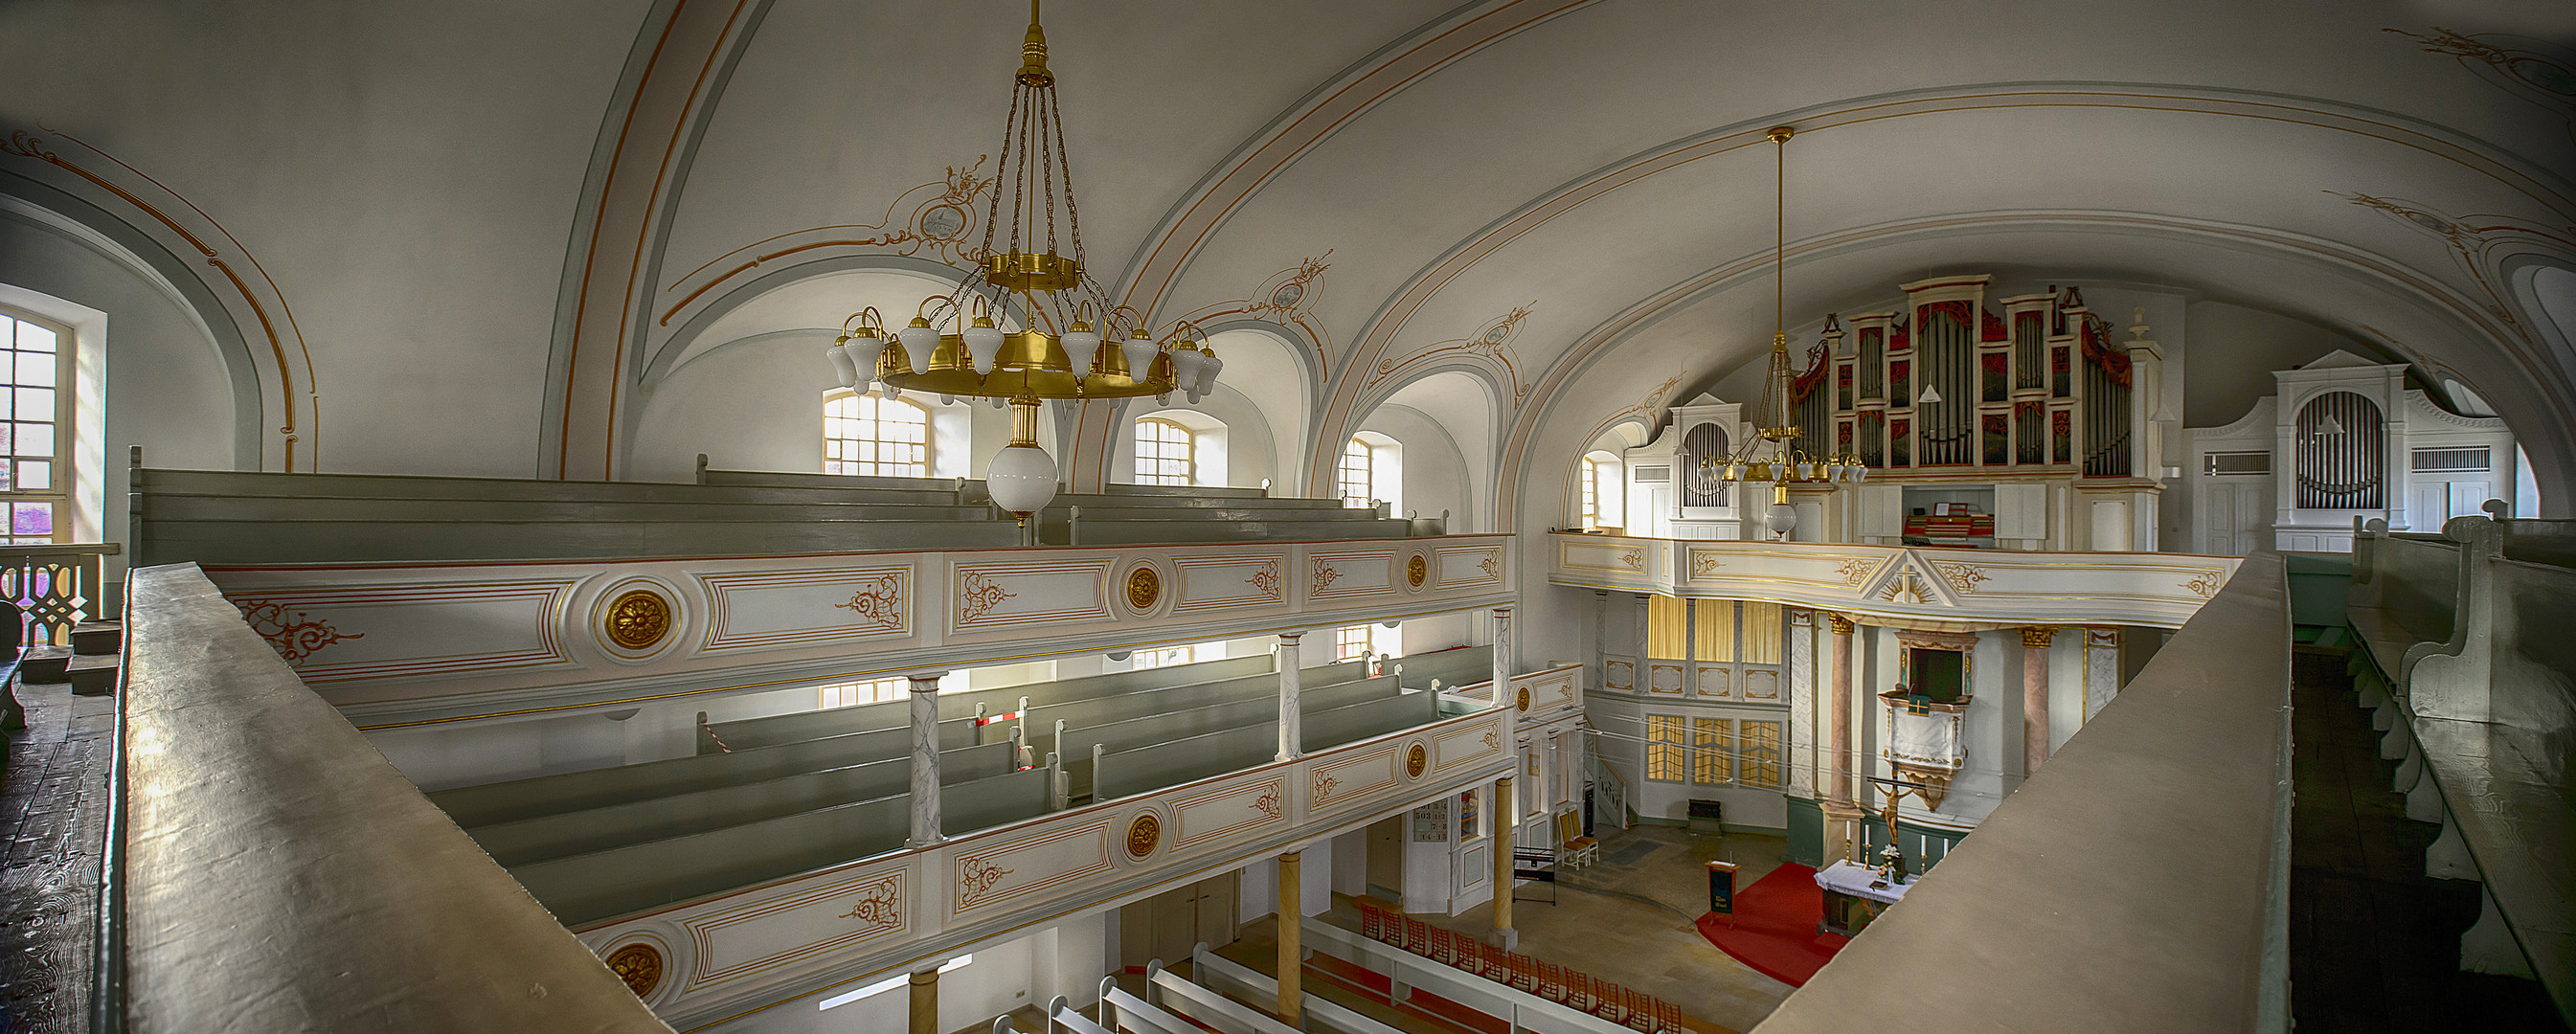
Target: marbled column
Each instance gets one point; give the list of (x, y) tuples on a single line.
[(1802, 702), (1506, 819), (925, 1002), (925, 763), (1503, 697), (2101, 669), (1292, 918), (2034, 697), (1842, 709), (1600, 639), (1291, 734)]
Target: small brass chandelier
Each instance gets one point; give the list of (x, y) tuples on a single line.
[(1772, 455), (953, 346)]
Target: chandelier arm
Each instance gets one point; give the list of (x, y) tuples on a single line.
[(1072, 211), (993, 208), (1047, 118)]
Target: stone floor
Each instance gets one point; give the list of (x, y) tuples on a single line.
[(2375, 943), (51, 825), (1629, 919)]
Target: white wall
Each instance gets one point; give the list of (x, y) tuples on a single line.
[(1436, 473), (168, 387)]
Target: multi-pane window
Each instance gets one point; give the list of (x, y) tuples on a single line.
[(1165, 658), (1604, 479), (1664, 748), (873, 691), (1712, 751), (1759, 762), (864, 434), (32, 438), (1166, 453), (1591, 497), (1358, 473), (1350, 642)]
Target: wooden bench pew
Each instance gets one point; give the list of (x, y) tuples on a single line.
[(597, 885), (595, 829), (536, 796), (772, 730)]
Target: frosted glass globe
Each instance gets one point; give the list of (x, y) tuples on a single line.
[(1780, 518), (1021, 479)]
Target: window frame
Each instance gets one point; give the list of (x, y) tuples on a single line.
[(869, 402), (1667, 754), (1358, 457), (1189, 460), (864, 691), (1590, 474), (59, 466)]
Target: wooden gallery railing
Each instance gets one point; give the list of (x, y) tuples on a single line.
[(56, 586), (1626, 1006)]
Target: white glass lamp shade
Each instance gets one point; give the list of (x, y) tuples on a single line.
[(919, 341), (1139, 351), (842, 368), (1021, 479), (864, 353), (1080, 346), (1185, 368), (1931, 396), (983, 342), (1781, 518), (1734, 471), (1000, 402), (1858, 473), (1208, 368)]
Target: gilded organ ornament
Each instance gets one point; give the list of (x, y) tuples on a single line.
[(639, 965), (637, 619)]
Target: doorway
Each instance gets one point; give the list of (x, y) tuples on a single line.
[(1386, 858), (1168, 925)]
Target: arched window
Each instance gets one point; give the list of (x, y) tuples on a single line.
[(1166, 453), (864, 434), (33, 473), (1372, 471), (1357, 473), (1601, 490)]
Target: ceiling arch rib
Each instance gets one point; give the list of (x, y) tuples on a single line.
[(2323, 282), (2499, 173)]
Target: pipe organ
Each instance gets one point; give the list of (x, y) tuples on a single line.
[(2025, 406), (1949, 386)]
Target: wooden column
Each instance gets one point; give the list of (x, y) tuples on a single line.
[(1292, 918), (925, 764), (925, 1002), (1291, 738), (1843, 817), (1842, 710), (1506, 820), (2034, 697)]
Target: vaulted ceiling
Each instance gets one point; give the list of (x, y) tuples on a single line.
[(1570, 198)]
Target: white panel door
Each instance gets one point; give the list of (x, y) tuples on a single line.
[(2430, 507), (2218, 527), (2021, 511), (2253, 514), (2468, 498)]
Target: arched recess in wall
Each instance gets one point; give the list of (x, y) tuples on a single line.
[(1206, 449), (742, 380), (122, 245), (1264, 394), (1606, 454), (1446, 420)]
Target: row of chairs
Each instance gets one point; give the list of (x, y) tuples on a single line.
[(1633, 1009)]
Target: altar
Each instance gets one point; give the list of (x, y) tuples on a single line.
[(1854, 895)]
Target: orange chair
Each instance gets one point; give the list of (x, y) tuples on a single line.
[(1576, 849)]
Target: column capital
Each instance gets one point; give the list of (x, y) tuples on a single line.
[(927, 976), (1290, 637), (1841, 625), (926, 682), (2037, 637)]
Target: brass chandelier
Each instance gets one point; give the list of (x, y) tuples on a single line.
[(1773, 455), (1070, 345)]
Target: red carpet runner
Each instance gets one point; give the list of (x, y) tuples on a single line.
[(1774, 926)]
